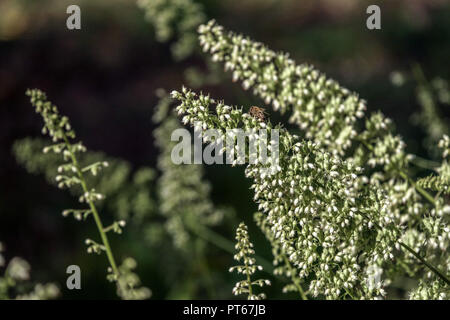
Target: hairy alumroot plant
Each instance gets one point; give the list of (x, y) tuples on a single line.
[(330, 223), (15, 281), (328, 113), (244, 255), (72, 175), (175, 20)]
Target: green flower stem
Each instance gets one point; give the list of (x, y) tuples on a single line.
[(434, 269), (97, 219), (223, 243)]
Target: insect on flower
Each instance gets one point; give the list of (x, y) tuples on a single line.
[(258, 113)]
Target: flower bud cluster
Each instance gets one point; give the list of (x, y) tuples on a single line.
[(329, 222), (70, 175), (321, 107), (248, 267), (128, 283)]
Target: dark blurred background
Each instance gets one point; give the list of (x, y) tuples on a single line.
[(104, 78)]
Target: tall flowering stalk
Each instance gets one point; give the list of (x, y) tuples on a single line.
[(244, 254), (441, 181), (72, 175), (328, 115), (320, 105), (129, 192), (329, 222)]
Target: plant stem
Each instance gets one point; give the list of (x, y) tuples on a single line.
[(97, 219), (249, 281)]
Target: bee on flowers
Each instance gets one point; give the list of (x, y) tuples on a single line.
[(258, 113)]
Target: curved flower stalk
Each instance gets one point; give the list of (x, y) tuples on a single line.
[(329, 222), (71, 175), (320, 105), (244, 254), (429, 95), (175, 19), (184, 196), (15, 278), (128, 192), (326, 111)]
